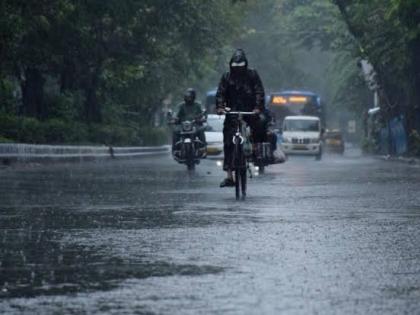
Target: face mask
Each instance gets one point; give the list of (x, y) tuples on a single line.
[(238, 70)]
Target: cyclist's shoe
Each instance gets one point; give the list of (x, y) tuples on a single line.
[(227, 182)]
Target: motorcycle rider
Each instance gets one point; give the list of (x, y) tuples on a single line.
[(240, 89), (190, 110)]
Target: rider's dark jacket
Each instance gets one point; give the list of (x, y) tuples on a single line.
[(189, 111), (240, 90)]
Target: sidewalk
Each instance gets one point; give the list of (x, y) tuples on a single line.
[(400, 159)]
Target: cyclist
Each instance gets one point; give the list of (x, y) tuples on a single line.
[(190, 110), (240, 89)]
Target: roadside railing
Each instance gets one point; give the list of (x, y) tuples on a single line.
[(31, 152)]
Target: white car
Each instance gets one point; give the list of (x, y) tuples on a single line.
[(214, 135), (302, 135)]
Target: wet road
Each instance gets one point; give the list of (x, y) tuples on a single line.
[(144, 237)]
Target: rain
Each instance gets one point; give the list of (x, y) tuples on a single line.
[(209, 157)]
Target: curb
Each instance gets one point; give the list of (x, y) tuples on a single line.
[(18, 152), (400, 159)]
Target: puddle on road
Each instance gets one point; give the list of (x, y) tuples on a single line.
[(40, 263)]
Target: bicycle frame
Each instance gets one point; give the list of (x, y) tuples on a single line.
[(240, 163)]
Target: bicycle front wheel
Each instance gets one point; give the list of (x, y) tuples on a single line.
[(238, 184), (240, 171), (243, 182)]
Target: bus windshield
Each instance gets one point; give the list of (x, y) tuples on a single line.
[(301, 125)]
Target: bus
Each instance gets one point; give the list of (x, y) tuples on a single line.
[(292, 103)]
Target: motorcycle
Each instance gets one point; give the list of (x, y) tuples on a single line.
[(189, 150)]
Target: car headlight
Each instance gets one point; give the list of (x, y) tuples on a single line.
[(287, 140), (315, 140)]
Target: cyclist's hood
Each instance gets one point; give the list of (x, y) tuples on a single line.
[(238, 61)]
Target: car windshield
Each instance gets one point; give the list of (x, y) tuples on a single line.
[(215, 124), (301, 125)]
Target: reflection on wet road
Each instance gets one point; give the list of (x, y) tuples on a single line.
[(145, 237)]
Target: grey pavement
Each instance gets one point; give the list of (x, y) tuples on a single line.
[(340, 236)]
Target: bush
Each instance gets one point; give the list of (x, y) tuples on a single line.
[(153, 136), (61, 132), (113, 135), (369, 146), (31, 131), (66, 106), (5, 140), (9, 126), (414, 139), (58, 131)]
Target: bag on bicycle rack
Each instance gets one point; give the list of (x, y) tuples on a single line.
[(263, 152), (266, 154)]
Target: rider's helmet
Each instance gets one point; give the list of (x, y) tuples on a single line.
[(189, 96)]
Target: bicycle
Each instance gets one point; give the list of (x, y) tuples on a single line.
[(242, 150)]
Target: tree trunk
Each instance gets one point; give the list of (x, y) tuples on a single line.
[(93, 112), (67, 76), (33, 93)]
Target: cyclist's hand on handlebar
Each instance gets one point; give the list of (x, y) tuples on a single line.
[(257, 111), (222, 111)]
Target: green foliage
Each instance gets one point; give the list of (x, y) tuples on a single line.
[(95, 71), (156, 136), (388, 35), (414, 139), (384, 30), (7, 97), (369, 146), (5, 140), (66, 106), (106, 64), (9, 126), (57, 131), (31, 130), (113, 135), (271, 52)]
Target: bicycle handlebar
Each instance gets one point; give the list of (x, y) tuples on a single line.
[(240, 113)]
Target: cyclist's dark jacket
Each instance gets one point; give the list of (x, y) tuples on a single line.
[(241, 91)]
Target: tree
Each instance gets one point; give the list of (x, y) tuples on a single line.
[(96, 61)]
